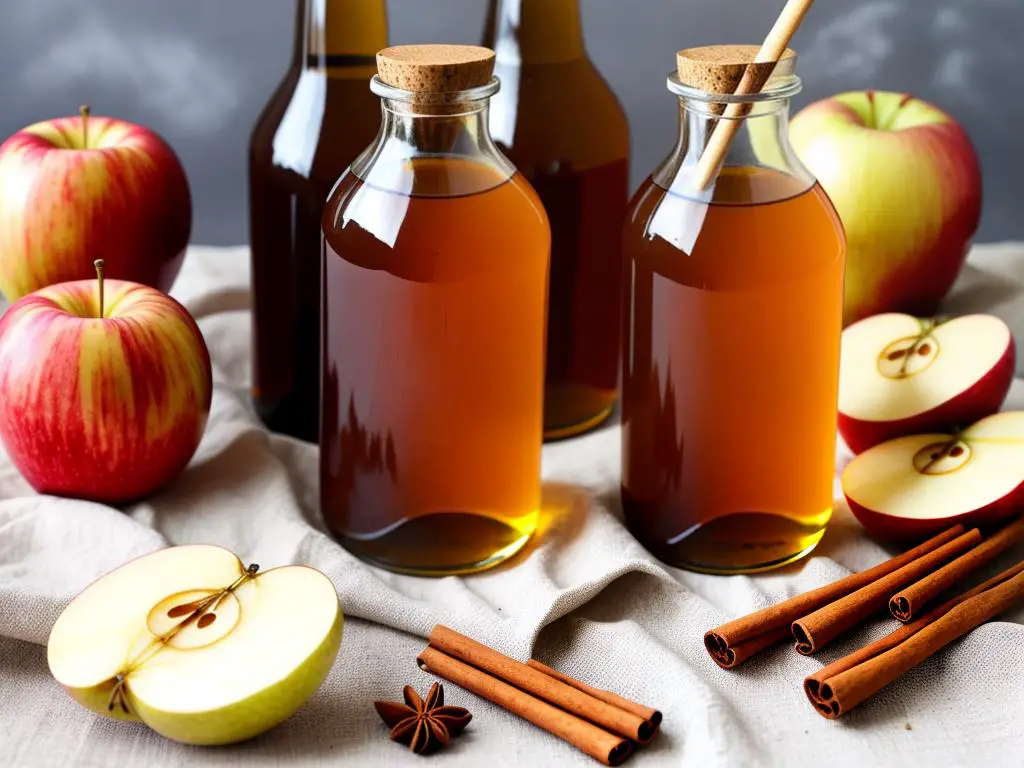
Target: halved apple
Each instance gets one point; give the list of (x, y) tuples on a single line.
[(913, 487), (196, 646), (901, 375)]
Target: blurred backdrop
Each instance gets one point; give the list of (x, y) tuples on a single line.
[(199, 71)]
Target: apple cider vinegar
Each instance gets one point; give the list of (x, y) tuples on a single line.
[(435, 279), (559, 122), (731, 351)]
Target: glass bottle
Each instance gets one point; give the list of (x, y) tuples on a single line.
[(733, 315), (435, 277), (559, 122), (321, 116)]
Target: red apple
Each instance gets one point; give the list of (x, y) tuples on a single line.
[(906, 182), (916, 486), (901, 375), (101, 397), (75, 188)]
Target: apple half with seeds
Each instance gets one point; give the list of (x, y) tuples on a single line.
[(195, 645), (917, 486), (901, 375)]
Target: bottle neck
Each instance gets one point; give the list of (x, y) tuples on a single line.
[(534, 31), (761, 141), (433, 127), (340, 33)]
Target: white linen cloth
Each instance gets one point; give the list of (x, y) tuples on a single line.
[(584, 597)]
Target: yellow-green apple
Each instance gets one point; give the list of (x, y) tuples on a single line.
[(902, 375), (906, 182), (915, 486), (101, 397), (195, 645), (77, 188)]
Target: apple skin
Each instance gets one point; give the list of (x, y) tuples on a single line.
[(888, 528), (105, 409), (906, 182), (983, 399), (124, 198)]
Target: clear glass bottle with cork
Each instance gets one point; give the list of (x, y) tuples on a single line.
[(733, 314), (435, 277)]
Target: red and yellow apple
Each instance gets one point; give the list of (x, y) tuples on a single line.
[(906, 182), (77, 188), (901, 375), (102, 397), (916, 486)]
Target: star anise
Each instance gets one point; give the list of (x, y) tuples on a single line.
[(425, 726)]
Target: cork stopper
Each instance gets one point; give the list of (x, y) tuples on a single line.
[(720, 68), (435, 68)]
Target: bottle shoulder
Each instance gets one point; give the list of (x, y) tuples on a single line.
[(563, 114), (454, 189), (316, 130)]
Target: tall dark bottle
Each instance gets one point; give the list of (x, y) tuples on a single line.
[(559, 122), (321, 116)]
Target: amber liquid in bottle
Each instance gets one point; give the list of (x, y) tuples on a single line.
[(321, 116), (559, 122), (729, 381), (433, 362)]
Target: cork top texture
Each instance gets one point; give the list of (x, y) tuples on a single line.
[(435, 68), (720, 68)]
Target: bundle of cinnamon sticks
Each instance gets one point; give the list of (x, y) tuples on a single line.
[(908, 586), (600, 723)]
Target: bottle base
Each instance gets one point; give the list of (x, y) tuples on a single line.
[(739, 543), (287, 418), (560, 430), (442, 544)]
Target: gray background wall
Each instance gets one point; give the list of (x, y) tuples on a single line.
[(198, 71)]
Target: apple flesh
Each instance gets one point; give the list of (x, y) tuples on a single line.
[(75, 188), (196, 646), (906, 182), (107, 406), (914, 487), (902, 375)]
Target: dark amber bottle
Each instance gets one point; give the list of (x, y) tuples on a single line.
[(321, 116), (559, 122)]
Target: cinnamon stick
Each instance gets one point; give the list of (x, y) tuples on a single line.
[(609, 748), (842, 685), (816, 630), (540, 685), (771, 50), (735, 641), (649, 714), (908, 604)]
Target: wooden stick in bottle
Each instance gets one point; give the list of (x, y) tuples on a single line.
[(771, 50)]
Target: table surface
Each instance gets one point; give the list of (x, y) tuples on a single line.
[(584, 597)]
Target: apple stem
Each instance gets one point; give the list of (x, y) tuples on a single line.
[(100, 264), (84, 112)]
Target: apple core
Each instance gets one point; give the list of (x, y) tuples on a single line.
[(907, 357), (219, 619), (942, 458)]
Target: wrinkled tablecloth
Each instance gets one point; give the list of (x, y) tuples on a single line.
[(584, 597)]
